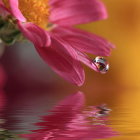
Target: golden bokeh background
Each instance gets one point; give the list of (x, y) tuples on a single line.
[(120, 87)]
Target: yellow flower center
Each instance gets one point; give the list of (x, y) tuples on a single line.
[(35, 11)]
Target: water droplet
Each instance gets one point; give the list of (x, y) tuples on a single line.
[(101, 64)]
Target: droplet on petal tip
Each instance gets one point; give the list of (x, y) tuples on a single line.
[(101, 64)]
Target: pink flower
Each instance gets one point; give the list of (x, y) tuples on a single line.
[(69, 121), (48, 24)]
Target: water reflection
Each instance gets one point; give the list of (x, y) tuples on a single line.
[(125, 117), (23, 110), (70, 121), (32, 91)]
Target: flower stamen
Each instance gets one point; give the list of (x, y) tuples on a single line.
[(35, 11)]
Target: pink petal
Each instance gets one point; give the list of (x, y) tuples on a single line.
[(34, 136), (72, 12), (35, 34), (3, 10), (63, 60), (68, 122), (62, 114), (76, 101), (93, 132), (101, 132), (1, 2), (84, 41), (16, 11), (87, 61)]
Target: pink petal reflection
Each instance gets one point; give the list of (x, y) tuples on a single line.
[(70, 121), (2, 83), (2, 100)]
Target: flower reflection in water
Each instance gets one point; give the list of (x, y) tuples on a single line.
[(2, 95), (70, 120), (4, 134)]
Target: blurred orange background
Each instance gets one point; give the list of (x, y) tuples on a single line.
[(120, 87)]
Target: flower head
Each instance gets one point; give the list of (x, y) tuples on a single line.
[(48, 24), (70, 121)]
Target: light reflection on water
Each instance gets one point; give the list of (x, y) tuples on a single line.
[(126, 114), (22, 110)]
